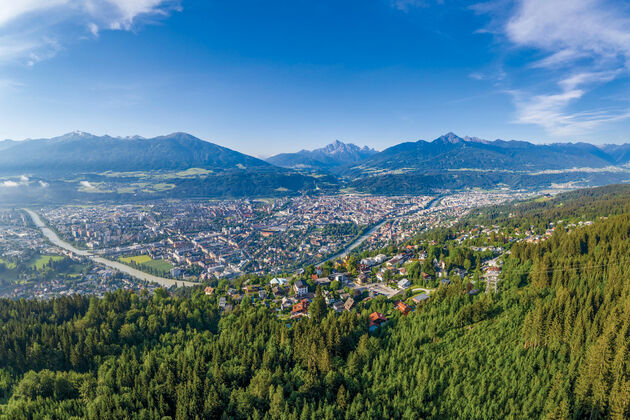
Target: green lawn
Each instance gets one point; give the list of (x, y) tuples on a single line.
[(138, 259), (160, 266), (42, 260)]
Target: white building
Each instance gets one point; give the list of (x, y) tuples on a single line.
[(404, 283)]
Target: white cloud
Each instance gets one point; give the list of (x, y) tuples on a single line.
[(11, 10), (550, 110), (86, 184), (36, 30), (43, 184), (23, 181), (571, 30), (94, 29), (585, 45)]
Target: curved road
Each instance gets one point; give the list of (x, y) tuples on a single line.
[(54, 238)]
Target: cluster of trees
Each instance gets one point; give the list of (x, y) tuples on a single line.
[(15, 269), (342, 229)]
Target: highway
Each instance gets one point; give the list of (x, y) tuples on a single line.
[(140, 275)]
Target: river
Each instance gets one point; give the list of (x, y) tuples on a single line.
[(354, 244), (140, 275)]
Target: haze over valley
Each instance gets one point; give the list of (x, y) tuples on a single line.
[(79, 166)]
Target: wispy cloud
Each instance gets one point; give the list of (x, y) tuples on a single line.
[(35, 30), (571, 30), (585, 45), (405, 5)]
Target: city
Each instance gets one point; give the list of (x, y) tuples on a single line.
[(208, 241)]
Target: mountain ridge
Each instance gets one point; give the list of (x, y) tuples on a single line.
[(449, 152), (80, 152), (332, 155)]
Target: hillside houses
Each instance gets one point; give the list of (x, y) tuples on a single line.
[(491, 277), (300, 288)]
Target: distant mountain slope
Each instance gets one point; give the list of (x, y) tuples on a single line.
[(452, 152), (333, 155), (83, 152), (619, 152)]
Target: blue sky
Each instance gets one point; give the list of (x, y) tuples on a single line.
[(264, 77)]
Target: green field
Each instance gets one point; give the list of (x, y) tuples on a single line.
[(542, 199), (162, 187), (41, 262), (145, 261), (138, 259)]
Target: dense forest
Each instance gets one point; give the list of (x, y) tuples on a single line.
[(552, 343)]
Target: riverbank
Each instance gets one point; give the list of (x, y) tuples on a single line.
[(357, 242), (140, 275)]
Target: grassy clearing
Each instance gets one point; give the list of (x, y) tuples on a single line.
[(43, 260), (193, 172), (8, 264), (163, 187), (542, 199), (159, 265), (145, 261), (138, 259)]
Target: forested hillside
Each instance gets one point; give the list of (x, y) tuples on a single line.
[(552, 343)]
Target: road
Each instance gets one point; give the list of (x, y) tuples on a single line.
[(140, 275), (422, 289), (383, 289)]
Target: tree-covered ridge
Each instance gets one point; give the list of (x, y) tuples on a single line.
[(553, 343), (584, 204)]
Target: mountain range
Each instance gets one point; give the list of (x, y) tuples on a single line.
[(334, 155), (83, 152), (181, 165), (449, 152)]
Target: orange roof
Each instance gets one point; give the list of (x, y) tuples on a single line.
[(376, 316), (300, 306), (403, 307)]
